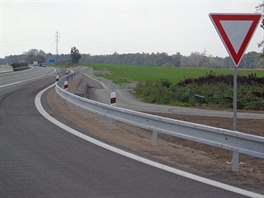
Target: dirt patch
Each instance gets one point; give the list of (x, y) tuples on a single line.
[(193, 157)]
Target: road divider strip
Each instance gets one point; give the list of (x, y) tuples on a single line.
[(10, 73), (22, 81)]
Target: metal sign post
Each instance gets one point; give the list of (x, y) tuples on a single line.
[(235, 100), (235, 31)]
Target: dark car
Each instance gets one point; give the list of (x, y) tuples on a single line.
[(42, 65)]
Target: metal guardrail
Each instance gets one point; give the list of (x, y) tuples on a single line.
[(234, 141)]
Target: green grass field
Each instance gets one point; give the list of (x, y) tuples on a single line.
[(125, 73)]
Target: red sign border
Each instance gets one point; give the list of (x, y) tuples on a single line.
[(215, 18)]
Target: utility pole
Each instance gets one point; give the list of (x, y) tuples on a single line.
[(57, 45), (57, 42)]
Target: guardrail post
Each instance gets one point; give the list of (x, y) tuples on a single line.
[(72, 107), (154, 138), (110, 124), (86, 115), (235, 161), (113, 103)]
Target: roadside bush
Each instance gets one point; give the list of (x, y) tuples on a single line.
[(210, 90), (251, 79)]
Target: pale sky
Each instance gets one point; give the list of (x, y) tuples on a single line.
[(128, 26)]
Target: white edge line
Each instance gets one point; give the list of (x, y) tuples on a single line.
[(138, 158), (18, 82)]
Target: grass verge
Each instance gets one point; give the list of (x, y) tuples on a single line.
[(128, 73)]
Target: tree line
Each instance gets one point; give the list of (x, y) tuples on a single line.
[(250, 60)]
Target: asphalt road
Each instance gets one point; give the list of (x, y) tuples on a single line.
[(38, 159)]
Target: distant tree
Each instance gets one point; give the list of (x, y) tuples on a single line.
[(260, 7), (195, 59), (250, 60), (35, 55), (177, 59), (260, 63), (75, 55)]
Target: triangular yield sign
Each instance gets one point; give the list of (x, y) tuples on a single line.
[(235, 31)]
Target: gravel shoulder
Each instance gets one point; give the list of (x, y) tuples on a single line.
[(189, 156)]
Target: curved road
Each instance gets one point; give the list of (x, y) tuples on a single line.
[(38, 159)]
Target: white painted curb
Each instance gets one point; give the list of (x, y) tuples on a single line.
[(136, 157)]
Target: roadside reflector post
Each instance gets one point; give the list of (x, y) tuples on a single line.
[(235, 161), (57, 78), (86, 114), (113, 103), (154, 138), (66, 85), (113, 98)]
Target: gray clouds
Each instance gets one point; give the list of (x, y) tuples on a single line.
[(105, 27)]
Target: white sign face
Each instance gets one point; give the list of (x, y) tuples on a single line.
[(236, 31)]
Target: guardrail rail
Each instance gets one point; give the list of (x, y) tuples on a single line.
[(234, 141)]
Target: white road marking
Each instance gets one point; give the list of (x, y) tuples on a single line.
[(18, 82), (138, 158)]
